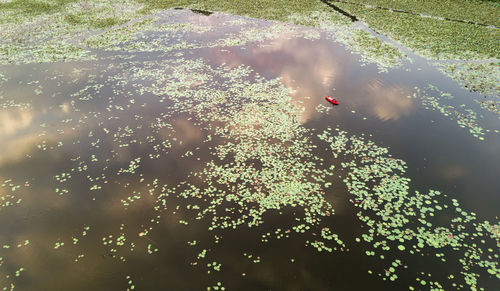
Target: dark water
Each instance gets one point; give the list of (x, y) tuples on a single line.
[(53, 131)]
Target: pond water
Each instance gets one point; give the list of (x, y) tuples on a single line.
[(201, 153)]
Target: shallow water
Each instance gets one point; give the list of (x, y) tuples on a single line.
[(102, 151)]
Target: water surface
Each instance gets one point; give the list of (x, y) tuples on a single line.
[(96, 155)]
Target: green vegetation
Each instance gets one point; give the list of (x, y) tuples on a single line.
[(434, 99), (83, 19), (28, 25), (379, 187), (479, 11), (439, 39), (112, 37), (47, 31), (31, 37), (259, 159), (432, 37), (375, 48), (484, 79), (33, 7), (264, 9), (429, 36)]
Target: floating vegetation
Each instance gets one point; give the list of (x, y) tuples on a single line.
[(465, 117), (442, 40), (477, 11), (435, 38), (373, 50), (263, 34), (162, 149), (8, 197), (112, 37), (137, 36), (268, 162), (370, 48), (153, 34), (409, 221), (130, 283), (31, 34), (483, 78), (3, 79), (217, 286), (44, 39), (262, 132), (323, 109)]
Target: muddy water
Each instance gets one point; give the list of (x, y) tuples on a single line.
[(94, 157)]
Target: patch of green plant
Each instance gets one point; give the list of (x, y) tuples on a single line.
[(264, 9), (434, 99), (482, 78), (96, 23), (58, 52), (432, 37), (31, 29), (369, 47), (34, 7), (107, 22), (408, 220), (375, 47), (486, 12), (113, 37)]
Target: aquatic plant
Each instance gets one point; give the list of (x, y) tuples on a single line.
[(465, 116), (410, 221), (246, 161), (441, 40), (369, 47), (483, 78), (478, 11)]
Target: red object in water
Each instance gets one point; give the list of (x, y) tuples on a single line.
[(332, 100)]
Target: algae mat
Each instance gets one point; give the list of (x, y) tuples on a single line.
[(190, 151)]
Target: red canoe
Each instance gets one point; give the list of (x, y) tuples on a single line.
[(332, 100)]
